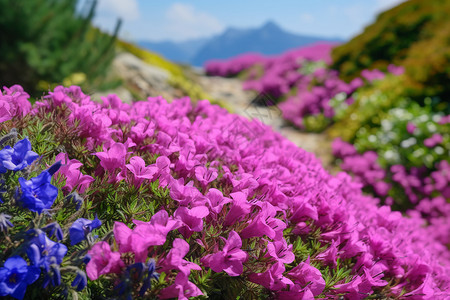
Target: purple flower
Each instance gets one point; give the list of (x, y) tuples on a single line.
[(37, 193), (15, 275), (81, 228), (17, 158)]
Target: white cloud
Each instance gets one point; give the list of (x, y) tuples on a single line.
[(127, 10), (184, 21)]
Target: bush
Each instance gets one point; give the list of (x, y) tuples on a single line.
[(46, 41), (180, 200)]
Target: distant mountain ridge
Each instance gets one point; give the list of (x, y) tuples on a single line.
[(268, 39)]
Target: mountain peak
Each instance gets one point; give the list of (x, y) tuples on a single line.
[(270, 25)]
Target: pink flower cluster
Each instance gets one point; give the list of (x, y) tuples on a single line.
[(71, 173), (259, 189), (314, 92), (234, 66), (364, 167), (13, 102), (422, 188), (283, 74)]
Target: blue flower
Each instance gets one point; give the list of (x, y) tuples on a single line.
[(17, 158), (4, 222), (54, 229), (37, 193), (75, 199), (80, 281), (151, 274), (44, 252), (15, 275), (81, 228)]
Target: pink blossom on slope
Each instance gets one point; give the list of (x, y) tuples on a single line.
[(103, 261), (113, 158), (265, 224), (151, 233), (434, 140), (140, 171), (192, 219), (305, 274), (174, 259), (273, 278), (5, 110), (17, 100), (230, 259), (280, 251), (182, 289), (74, 178), (216, 200)]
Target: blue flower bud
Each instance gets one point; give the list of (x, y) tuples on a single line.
[(80, 281)]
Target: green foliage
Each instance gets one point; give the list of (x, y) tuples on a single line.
[(44, 42), (395, 145), (371, 103), (415, 34)]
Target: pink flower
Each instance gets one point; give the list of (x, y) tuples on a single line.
[(17, 101), (140, 171), (191, 218), (434, 140), (182, 289), (265, 224), (204, 175), (174, 259), (329, 256), (305, 274), (216, 200), (410, 127), (74, 178), (149, 234), (122, 235), (5, 109), (103, 261), (273, 278), (240, 208), (230, 259), (113, 158), (280, 251)]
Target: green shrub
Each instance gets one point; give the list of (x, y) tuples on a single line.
[(43, 42)]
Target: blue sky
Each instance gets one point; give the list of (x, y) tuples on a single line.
[(158, 20)]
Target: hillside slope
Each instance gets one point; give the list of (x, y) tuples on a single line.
[(415, 34)]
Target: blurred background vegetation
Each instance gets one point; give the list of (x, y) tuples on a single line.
[(46, 42), (416, 35)]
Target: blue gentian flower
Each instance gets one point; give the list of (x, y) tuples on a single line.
[(81, 228), (80, 281), (15, 275), (54, 168), (17, 158), (54, 229), (37, 193), (76, 199), (4, 222), (151, 274), (44, 252)]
